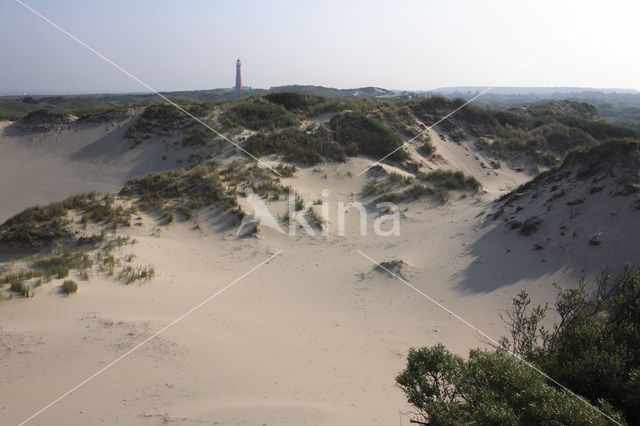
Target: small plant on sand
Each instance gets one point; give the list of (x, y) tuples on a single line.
[(129, 274), (69, 286), (450, 180), (286, 170), (59, 271), (20, 287), (530, 226)]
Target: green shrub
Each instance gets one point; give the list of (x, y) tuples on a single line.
[(296, 145), (594, 347), (128, 274), (69, 286), (450, 180), (295, 101), (286, 170), (488, 388), (196, 185), (17, 286), (259, 114), (195, 138), (58, 270), (359, 134)]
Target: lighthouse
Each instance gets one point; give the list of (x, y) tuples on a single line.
[(238, 76)]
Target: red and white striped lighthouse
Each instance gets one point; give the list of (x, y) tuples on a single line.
[(238, 76)]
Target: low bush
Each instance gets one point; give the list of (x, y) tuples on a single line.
[(296, 145), (450, 180), (69, 287), (359, 134), (195, 138), (257, 114), (295, 101), (488, 388), (129, 274)]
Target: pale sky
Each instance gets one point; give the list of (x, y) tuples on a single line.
[(412, 45)]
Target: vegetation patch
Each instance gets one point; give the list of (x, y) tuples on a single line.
[(39, 226), (295, 101), (258, 114), (593, 348), (199, 186), (450, 180), (359, 134), (69, 287), (297, 145)]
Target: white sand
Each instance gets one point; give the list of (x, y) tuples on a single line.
[(314, 337)]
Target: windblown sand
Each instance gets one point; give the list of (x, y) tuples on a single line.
[(316, 336)]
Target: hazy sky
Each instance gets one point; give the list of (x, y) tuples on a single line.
[(418, 45)]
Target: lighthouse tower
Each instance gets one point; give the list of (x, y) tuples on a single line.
[(238, 76)]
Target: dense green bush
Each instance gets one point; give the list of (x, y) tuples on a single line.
[(296, 145), (69, 287), (360, 134), (259, 114), (593, 349), (195, 138), (295, 101), (488, 388)]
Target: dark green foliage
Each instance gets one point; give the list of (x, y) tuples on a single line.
[(69, 287), (360, 134), (296, 145), (295, 101), (450, 180), (428, 149), (19, 287), (549, 130), (434, 108), (257, 114), (23, 275), (558, 138), (195, 138), (599, 129), (594, 348), (488, 388), (160, 119), (58, 270)]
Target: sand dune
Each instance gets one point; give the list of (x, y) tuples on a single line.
[(316, 336)]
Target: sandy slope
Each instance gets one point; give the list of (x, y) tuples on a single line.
[(316, 336), (38, 168)]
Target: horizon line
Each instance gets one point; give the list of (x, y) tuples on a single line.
[(577, 89)]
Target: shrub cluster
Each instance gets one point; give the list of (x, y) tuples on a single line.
[(359, 134), (296, 145), (257, 114), (593, 349), (450, 180)]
